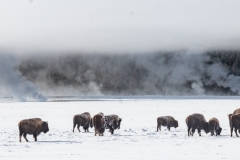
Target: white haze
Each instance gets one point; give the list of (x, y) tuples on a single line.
[(13, 85), (118, 26)]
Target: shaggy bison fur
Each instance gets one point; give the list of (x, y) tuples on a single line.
[(32, 126), (237, 111), (113, 122), (99, 123), (196, 121), (214, 126), (166, 121), (84, 120)]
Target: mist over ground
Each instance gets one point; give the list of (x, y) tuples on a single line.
[(170, 73)]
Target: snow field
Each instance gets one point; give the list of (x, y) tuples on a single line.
[(136, 139)]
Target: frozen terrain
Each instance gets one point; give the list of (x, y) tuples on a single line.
[(137, 138)]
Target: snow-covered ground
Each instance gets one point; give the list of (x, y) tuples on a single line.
[(137, 138)]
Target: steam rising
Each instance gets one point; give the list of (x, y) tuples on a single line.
[(12, 84), (179, 73)]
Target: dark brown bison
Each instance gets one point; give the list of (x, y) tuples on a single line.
[(84, 120), (32, 126), (237, 111), (166, 121), (113, 122), (99, 123), (214, 126), (234, 123), (196, 121)]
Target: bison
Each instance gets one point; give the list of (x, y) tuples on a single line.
[(84, 120), (196, 121), (234, 123), (32, 126), (214, 126), (237, 111), (113, 122), (166, 121), (99, 123)]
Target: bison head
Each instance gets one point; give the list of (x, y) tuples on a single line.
[(116, 123), (45, 128), (175, 123), (119, 122), (219, 131), (206, 127)]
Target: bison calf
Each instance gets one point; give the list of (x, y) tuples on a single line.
[(32, 126), (113, 122), (214, 126), (84, 120), (166, 121), (99, 124), (196, 121)]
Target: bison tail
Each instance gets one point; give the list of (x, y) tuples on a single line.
[(230, 119), (187, 121), (74, 119), (19, 128)]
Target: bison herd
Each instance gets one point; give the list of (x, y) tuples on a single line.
[(35, 126), (100, 122)]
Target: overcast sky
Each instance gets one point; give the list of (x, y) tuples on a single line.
[(118, 25)]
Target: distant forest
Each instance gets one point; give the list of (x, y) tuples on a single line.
[(144, 74)]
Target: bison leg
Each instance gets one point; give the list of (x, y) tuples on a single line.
[(231, 130), (212, 132), (158, 127), (25, 136), (193, 130), (20, 136), (78, 127), (35, 136), (112, 130), (74, 125), (216, 131), (188, 131), (95, 132), (236, 132), (168, 127), (199, 131)]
